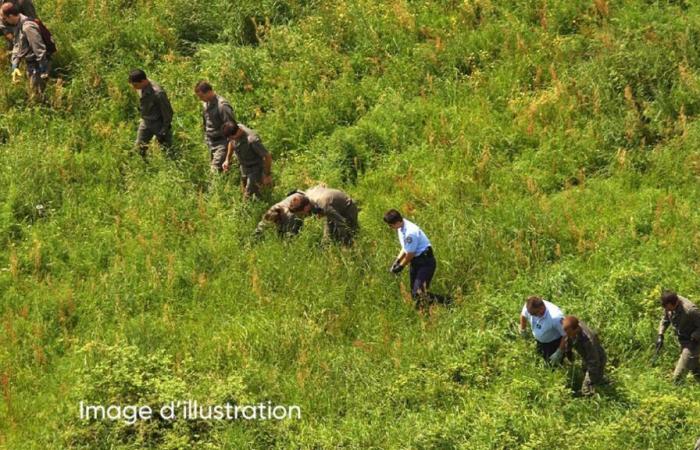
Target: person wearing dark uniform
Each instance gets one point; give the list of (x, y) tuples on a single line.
[(685, 318), (254, 160), (279, 215), (156, 113), (585, 342), (216, 111), (339, 209), (26, 8), (417, 252), (28, 45)]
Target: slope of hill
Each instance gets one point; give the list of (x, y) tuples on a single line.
[(546, 147)]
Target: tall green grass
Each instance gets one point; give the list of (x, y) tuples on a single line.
[(546, 147)]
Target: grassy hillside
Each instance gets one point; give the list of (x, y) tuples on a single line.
[(545, 146)]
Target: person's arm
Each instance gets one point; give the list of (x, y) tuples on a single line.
[(258, 147), (523, 323), (695, 317), (229, 150), (592, 361), (663, 325), (334, 216), (16, 47), (166, 111), (560, 329), (407, 258), (267, 170)]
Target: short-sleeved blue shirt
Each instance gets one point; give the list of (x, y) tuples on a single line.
[(412, 238)]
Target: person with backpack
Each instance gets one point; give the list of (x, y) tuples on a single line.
[(33, 43), (216, 111)]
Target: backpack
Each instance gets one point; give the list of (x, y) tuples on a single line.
[(46, 36)]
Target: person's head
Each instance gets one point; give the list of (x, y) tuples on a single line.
[(669, 300), (300, 205), (571, 326), (535, 306), (138, 79), (393, 219), (10, 13), (204, 91), (231, 131), (274, 215)]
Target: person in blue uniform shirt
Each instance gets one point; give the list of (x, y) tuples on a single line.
[(417, 252), (546, 321)]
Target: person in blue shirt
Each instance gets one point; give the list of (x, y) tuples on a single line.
[(546, 321), (416, 251)]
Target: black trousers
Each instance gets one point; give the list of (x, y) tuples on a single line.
[(547, 349), (422, 271)]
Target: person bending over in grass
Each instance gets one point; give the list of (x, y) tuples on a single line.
[(585, 342), (28, 45), (25, 7), (417, 252), (287, 222), (545, 320), (685, 318), (254, 160), (336, 206)]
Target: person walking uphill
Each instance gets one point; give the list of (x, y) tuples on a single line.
[(254, 160), (29, 44), (336, 206), (417, 252), (545, 320), (216, 111), (585, 342), (685, 318), (156, 113)]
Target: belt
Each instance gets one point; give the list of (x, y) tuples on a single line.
[(428, 253)]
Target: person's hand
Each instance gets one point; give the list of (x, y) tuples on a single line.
[(267, 180), (44, 70), (16, 75), (556, 357), (396, 268), (523, 333), (659, 342), (226, 165)]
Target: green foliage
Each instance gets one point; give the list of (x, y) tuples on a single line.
[(546, 147)]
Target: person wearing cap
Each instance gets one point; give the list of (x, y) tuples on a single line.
[(254, 161), (585, 341), (685, 318), (545, 321), (336, 206), (416, 251)]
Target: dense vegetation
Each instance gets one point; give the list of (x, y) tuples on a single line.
[(546, 146)]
